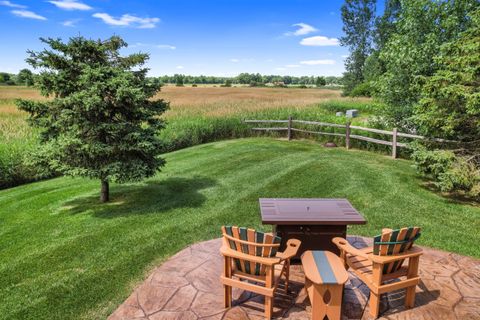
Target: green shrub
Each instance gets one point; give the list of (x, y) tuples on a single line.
[(449, 172), (362, 90), (461, 176)]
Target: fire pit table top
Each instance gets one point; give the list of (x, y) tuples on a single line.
[(311, 211)]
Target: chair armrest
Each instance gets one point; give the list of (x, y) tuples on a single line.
[(291, 251), (413, 252), (343, 245), (227, 252)]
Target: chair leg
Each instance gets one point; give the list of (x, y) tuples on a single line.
[(412, 272), (227, 290), (410, 297), (227, 296), (374, 304), (268, 307), (287, 275)]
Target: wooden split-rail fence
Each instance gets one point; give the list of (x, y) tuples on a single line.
[(347, 135)]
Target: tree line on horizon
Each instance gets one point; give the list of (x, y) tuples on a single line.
[(253, 79), (421, 59), (26, 77)]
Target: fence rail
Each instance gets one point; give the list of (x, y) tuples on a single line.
[(347, 135)]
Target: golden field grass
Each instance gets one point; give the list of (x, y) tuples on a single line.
[(188, 102), (206, 101)]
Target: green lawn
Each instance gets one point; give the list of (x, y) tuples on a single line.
[(65, 256)]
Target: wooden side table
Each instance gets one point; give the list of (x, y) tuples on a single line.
[(325, 277)]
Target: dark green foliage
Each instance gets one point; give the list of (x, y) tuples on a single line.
[(25, 77), (179, 80), (7, 78), (449, 172), (408, 54), (100, 122), (362, 90), (320, 82), (450, 98), (450, 108), (227, 84), (358, 20)]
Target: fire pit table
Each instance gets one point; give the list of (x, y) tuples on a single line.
[(315, 222)]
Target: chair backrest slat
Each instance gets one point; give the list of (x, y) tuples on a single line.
[(392, 242), (255, 240)]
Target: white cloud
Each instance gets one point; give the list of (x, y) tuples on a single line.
[(165, 46), (319, 41), (303, 29), (180, 67), (234, 60), (318, 62), (28, 14), (269, 60), (292, 66), (345, 56), (70, 5), (70, 23), (127, 20), (281, 69), (12, 5)]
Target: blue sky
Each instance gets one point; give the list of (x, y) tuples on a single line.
[(221, 37)]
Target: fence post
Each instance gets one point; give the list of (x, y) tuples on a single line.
[(347, 135), (394, 143), (289, 133)]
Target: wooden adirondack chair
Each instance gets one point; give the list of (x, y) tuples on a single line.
[(383, 262), (250, 259)]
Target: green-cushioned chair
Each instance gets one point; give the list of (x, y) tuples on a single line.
[(250, 258), (384, 261)]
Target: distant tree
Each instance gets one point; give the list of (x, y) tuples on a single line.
[(320, 82), (287, 79), (5, 77), (358, 25), (25, 77), (228, 83), (179, 80), (100, 122)]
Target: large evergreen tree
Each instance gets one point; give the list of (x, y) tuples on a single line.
[(358, 25), (100, 122)]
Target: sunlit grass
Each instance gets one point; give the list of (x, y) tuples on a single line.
[(64, 255)]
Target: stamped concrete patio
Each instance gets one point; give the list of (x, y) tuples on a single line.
[(187, 286)]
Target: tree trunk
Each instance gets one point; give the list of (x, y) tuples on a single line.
[(105, 192)]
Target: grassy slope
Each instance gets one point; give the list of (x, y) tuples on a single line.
[(65, 256)]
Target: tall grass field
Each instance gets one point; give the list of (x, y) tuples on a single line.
[(197, 115)]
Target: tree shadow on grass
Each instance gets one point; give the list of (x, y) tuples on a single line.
[(449, 197), (146, 198)]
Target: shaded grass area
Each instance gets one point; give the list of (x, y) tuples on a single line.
[(63, 255)]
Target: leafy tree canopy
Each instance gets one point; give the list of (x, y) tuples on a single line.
[(450, 99), (358, 20), (421, 28)]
